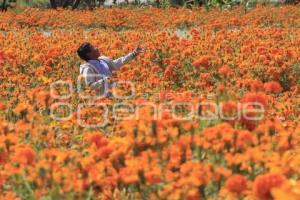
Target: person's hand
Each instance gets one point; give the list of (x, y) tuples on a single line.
[(109, 80), (138, 50)]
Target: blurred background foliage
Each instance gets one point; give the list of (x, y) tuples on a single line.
[(83, 4)]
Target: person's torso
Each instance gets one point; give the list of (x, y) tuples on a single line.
[(101, 67)]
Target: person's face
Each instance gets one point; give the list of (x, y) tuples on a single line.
[(94, 52)]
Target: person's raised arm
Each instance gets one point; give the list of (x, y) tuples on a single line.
[(125, 59)]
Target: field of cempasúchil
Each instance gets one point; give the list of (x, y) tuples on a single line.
[(213, 108)]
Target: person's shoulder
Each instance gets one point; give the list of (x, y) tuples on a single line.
[(105, 58), (84, 66)]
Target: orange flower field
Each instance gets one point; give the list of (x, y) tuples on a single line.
[(232, 79)]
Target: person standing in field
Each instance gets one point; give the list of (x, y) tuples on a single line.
[(97, 69)]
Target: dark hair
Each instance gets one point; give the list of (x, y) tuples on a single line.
[(83, 50)]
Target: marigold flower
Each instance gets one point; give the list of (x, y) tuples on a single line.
[(204, 76), (104, 152), (96, 138), (273, 87), (25, 155), (169, 71), (245, 49), (256, 97), (2, 106), (230, 107), (250, 118), (195, 32), (153, 176), (2, 179), (256, 85), (1, 56), (244, 138), (21, 108), (174, 62), (263, 185), (129, 175), (289, 190), (224, 70), (193, 194), (202, 61), (236, 183)]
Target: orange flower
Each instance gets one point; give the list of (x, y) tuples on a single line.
[(2, 106), (230, 107), (256, 85), (273, 87), (205, 77), (153, 176), (169, 72), (21, 109), (96, 138), (1, 55), (262, 58), (2, 179), (43, 97), (263, 185), (253, 97), (165, 95), (289, 190), (193, 194), (261, 50), (202, 61), (221, 88), (244, 138), (129, 175), (174, 62), (104, 152), (245, 49), (236, 183), (250, 118), (195, 32), (25, 155), (3, 157), (224, 70)]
